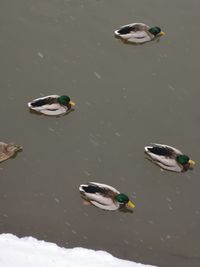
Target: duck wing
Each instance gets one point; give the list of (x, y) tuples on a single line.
[(42, 102), (161, 151), (125, 30), (168, 149), (97, 188), (99, 195), (105, 187), (132, 28), (93, 189)]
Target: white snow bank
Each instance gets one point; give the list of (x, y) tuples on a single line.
[(30, 252)]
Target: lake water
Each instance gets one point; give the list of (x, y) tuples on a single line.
[(126, 97)]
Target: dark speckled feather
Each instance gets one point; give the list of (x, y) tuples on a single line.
[(44, 101), (161, 151), (127, 29), (94, 189)]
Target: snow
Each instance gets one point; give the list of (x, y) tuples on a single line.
[(28, 251)]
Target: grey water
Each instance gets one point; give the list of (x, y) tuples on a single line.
[(126, 97)]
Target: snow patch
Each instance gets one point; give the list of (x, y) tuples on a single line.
[(28, 251)]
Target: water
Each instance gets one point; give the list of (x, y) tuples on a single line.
[(127, 96)]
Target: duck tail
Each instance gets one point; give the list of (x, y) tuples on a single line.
[(29, 104), (147, 148), (81, 188)]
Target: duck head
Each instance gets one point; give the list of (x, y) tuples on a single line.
[(184, 160), (65, 101), (156, 31), (123, 200)]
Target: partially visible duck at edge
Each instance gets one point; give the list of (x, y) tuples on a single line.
[(8, 150), (169, 158)]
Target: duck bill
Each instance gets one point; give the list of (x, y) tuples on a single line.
[(20, 147), (130, 204), (192, 163), (72, 103), (162, 33)]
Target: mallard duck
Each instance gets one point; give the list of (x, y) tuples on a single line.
[(138, 33), (169, 158), (52, 105), (8, 150), (104, 196)]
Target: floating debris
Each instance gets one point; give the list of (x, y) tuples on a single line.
[(40, 55), (97, 75), (57, 200), (117, 134)]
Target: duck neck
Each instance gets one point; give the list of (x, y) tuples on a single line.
[(185, 167), (69, 106)]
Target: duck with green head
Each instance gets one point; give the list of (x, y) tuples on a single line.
[(105, 197), (52, 105), (138, 33), (169, 158)]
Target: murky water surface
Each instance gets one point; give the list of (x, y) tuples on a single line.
[(127, 96)]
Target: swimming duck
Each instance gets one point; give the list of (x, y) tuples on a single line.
[(138, 33), (105, 197), (8, 150), (169, 158), (52, 105)]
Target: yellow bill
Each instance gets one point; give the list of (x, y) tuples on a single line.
[(131, 205), (72, 103), (162, 33), (191, 162)]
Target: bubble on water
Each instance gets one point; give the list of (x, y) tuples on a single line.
[(57, 200), (67, 223), (126, 242), (170, 207), (117, 134), (97, 75), (40, 55), (171, 87), (87, 173), (74, 232), (168, 199)]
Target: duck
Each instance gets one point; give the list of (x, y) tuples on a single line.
[(105, 197), (168, 157), (52, 105), (138, 33), (8, 150)]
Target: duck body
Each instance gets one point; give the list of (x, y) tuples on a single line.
[(8, 150), (51, 105), (138, 33), (104, 196), (168, 157)]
